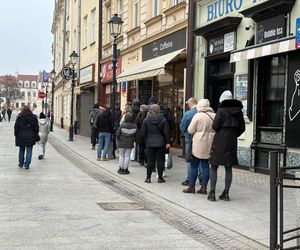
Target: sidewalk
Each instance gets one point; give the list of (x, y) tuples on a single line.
[(246, 214)]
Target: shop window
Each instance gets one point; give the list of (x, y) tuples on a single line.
[(17, 105), (132, 93), (272, 80)]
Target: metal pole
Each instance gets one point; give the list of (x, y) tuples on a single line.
[(46, 104), (72, 94), (273, 160), (114, 83), (52, 107)]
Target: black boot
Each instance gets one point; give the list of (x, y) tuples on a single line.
[(224, 196), (211, 196)]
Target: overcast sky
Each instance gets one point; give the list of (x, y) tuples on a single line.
[(25, 36)]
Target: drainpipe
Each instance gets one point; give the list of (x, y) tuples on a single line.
[(77, 113), (190, 51), (99, 51), (63, 61)]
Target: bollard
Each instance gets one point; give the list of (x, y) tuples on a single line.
[(273, 163), (76, 127)]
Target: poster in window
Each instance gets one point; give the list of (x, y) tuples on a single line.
[(293, 101), (241, 91)]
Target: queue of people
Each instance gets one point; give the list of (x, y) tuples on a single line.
[(210, 138)]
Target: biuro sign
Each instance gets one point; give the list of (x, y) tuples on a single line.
[(221, 8)]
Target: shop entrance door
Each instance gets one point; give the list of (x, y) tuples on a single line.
[(172, 97)]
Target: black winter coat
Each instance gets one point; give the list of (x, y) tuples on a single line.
[(104, 122), (26, 129), (140, 139), (156, 130), (229, 124), (126, 133)]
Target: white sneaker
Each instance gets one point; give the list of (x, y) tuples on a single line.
[(164, 175)]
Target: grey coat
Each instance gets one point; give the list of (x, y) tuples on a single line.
[(44, 129), (126, 133)]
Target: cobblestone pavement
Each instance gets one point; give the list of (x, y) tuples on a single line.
[(188, 221)]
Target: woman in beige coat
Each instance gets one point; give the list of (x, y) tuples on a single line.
[(203, 134)]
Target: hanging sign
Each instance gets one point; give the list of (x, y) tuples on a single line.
[(66, 73)]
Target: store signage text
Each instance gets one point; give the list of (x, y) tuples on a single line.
[(221, 44), (107, 70), (297, 33), (165, 45), (87, 74), (224, 7)]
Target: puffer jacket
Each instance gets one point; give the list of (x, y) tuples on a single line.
[(104, 122), (126, 133), (44, 129), (140, 139), (156, 130), (25, 130), (229, 124)]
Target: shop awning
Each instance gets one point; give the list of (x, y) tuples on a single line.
[(149, 68), (267, 49)]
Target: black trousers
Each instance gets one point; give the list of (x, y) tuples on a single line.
[(155, 157), (94, 136), (142, 153)]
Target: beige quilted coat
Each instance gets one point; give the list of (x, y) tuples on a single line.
[(201, 129)]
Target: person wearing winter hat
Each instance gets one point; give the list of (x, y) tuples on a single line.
[(44, 129), (229, 124), (203, 134)]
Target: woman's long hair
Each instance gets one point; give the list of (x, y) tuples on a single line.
[(26, 111)]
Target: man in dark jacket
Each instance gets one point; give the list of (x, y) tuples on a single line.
[(156, 130), (94, 131), (126, 134), (229, 124), (9, 112), (26, 130), (104, 124)]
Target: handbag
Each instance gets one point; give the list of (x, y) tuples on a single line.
[(188, 152), (168, 161)]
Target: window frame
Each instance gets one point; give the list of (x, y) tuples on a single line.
[(93, 26), (85, 31)]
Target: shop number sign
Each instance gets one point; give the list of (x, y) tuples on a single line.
[(66, 73), (298, 33)]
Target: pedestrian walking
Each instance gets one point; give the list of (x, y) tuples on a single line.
[(104, 124), (3, 113), (203, 134), (26, 131), (126, 134), (184, 124), (44, 129), (140, 138), (229, 124), (94, 131), (112, 144), (156, 130), (9, 112)]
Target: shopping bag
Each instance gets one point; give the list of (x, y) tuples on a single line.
[(132, 154), (168, 161)]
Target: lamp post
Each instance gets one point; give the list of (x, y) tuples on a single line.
[(52, 76), (115, 26), (73, 60)]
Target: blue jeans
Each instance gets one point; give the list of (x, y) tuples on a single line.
[(124, 157), (195, 169), (27, 161), (104, 139), (189, 167)]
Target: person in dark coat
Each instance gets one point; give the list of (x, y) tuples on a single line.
[(125, 134), (135, 107), (229, 124), (156, 130), (105, 125), (94, 131), (9, 112), (140, 139), (26, 130)]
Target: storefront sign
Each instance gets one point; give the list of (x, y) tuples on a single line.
[(221, 44), (165, 45), (107, 70), (220, 8), (87, 74), (293, 101), (298, 33), (271, 29)]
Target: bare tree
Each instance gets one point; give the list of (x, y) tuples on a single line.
[(9, 90)]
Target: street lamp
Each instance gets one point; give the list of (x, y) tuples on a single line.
[(73, 60), (115, 26), (52, 77)]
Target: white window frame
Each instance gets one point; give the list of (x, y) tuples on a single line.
[(93, 27), (135, 15), (108, 16), (176, 2), (120, 7), (85, 31), (155, 8)]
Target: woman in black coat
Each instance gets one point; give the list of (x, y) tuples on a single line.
[(229, 124), (156, 130), (26, 131), (140, 139)]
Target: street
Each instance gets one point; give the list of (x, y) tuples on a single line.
[(71, 201)]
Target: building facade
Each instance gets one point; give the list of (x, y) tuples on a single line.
[(249, 48)]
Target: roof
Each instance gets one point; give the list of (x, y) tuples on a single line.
[(29, 78)]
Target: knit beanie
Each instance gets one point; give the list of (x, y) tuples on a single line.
[(226, 95)]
